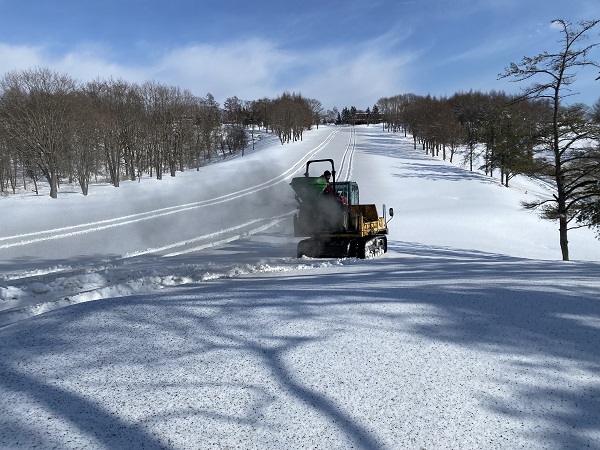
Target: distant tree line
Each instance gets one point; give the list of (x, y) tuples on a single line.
[(496, 131), (56, 129)]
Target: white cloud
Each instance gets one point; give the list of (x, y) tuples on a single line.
[(82, 64), (257, 68), (355, 79), (250, 70), (17, 57)]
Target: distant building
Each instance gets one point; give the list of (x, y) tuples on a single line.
[(363, 118)]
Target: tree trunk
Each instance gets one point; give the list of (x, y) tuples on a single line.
[(53, 184), (563, 224), (84, 183), (564, 242)]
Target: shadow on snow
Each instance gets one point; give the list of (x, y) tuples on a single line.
[(531, 310)]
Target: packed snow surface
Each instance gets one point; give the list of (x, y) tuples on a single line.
[(173, 314)]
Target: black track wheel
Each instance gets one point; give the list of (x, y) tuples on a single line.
[(361, 251)]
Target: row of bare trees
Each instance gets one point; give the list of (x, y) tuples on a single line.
[(54, 128), (534, 133), (496, 131)]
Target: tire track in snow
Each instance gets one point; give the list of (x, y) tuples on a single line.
[(270, 222), (348, 156), (74, 230)]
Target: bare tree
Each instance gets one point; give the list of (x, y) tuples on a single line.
[(565, 131), (165, 113), (209, 125), (316, 107), (188, 130), (8, 162), (234, 119), (395, 112), (38, 104), (290, 116), (86, 154)]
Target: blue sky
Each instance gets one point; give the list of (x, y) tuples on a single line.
[(343, 53)]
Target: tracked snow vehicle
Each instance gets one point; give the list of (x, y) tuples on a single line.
[(335, 223)]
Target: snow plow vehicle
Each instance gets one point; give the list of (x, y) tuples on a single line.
[(332, 219)]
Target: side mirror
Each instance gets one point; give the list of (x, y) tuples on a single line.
[(391, 212)]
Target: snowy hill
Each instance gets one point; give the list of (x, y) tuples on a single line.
[(468, 333)]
